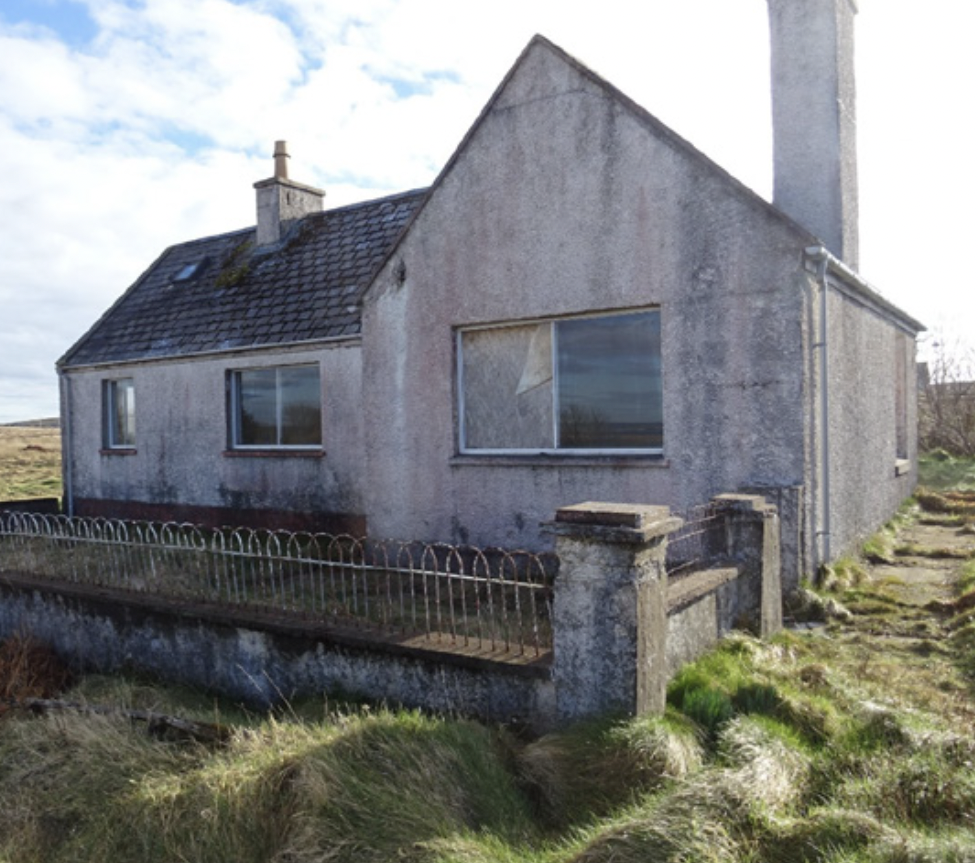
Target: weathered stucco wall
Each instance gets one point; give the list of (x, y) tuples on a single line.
[(263, 664), (614, 647), (182, 466), (563, 201), (872, 417)]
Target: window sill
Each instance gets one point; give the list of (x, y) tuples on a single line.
[(901, 467), (556, 460), (274, 452), (118, 451)]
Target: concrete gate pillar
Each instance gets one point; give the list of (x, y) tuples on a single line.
[(610, 608), (753, 544)]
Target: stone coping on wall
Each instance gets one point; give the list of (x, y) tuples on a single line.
[(448, 650), (613, 522), (686, 590)]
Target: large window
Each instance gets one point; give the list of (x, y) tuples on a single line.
[(276, 407), (574, 384), (118, 414)]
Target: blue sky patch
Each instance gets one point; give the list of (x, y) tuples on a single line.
[(188, 140), (69, 19), (405, 88)]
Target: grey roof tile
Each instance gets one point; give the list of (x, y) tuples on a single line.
[(307, 288)]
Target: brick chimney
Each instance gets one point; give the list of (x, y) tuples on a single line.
[(280, 200), (813, 88)]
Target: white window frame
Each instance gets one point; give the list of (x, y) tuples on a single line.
[(111, 437), (465, 450), (234, 402)]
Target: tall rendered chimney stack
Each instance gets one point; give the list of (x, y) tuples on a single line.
[(813, 89), (280, 201)]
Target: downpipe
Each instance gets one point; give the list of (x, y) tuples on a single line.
[(68, 505), (824, 258)]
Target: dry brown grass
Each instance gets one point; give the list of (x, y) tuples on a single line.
[(29, 669), (30, 462), (946, 502), (849, 742)]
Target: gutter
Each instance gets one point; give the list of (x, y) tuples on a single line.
[(217, 353), (857, 288)]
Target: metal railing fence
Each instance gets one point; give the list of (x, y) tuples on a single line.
[(454, 597), (697, 544)]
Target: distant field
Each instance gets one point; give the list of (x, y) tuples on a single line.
[(30, 462)]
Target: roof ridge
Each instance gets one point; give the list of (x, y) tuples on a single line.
[(209, 238), (408, 193), (353, 205)]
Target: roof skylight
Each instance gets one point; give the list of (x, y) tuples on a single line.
[(187, 271)]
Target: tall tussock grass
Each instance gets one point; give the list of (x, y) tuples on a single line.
[(712, 816), (597, 767), (797, 766), (367, 786), (853, 743)]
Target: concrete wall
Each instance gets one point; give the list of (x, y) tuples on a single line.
[(262, 663), (813, 90), (871, 471), (182, 467), (566, 200), (614, 645)]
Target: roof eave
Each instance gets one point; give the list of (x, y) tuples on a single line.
[(861, 288)]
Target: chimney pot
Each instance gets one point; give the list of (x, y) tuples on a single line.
[(281, 160)]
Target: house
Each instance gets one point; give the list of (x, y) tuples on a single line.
[(581, 307)]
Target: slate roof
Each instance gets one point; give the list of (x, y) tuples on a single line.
[(307, 287)]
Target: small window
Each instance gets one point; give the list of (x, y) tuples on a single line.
[(189, 271), (276, 407), (185, 273), (119, 413), (570, 385)]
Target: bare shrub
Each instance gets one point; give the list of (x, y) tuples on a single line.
[(947, 398)]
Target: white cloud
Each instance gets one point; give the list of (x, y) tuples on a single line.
[(152, 132)]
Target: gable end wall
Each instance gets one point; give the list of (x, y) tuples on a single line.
[(563, 201)]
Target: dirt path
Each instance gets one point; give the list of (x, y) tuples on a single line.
[(904, 634), (928, 564)]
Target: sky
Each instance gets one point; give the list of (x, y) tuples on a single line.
[(129, 125)]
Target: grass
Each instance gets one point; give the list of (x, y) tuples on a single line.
[(353, 786), (883, 546), (847, 744), (850, 742), (939, 470), (31, 460)]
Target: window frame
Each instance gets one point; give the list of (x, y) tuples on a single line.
[(901, 406), (118, 435), (235, 442), (555, 450)]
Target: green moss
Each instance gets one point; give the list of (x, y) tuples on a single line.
[(235, 267)]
